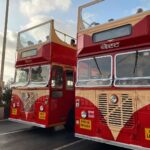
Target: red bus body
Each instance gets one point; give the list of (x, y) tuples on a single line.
[(124, 123), (45, 106)]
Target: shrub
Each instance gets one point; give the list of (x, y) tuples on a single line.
[(5, 102)]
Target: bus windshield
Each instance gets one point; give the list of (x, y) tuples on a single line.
[(22, 76), (37, 76), (135, 72), (94, 72), (109, 10), (34, 36), (40, 75)]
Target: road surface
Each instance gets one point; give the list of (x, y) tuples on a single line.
[(15, 136)]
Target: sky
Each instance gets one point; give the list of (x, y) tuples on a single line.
[(27, 13)]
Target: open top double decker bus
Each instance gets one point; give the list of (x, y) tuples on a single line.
[(43, 92), (112, 100)]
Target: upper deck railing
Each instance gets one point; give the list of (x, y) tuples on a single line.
[(65, 37)]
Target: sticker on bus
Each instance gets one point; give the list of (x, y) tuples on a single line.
[(14, 111), (42, 115), (147, 134), (85, 124)]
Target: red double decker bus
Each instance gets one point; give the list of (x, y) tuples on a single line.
[(43, 92), (112, 97)]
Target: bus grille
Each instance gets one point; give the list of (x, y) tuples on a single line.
[(116, 114)]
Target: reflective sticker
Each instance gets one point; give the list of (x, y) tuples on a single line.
[(85, 124), (42, 115), (14, 111), (91, 114), (147, 134)]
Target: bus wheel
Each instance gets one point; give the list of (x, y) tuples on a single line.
[(70, 121)]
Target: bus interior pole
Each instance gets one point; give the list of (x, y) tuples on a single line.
[(4, 46)]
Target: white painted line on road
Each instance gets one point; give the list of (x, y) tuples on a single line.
[(12, 132), (68, 145)]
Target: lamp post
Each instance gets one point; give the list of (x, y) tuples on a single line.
[(4, 45)]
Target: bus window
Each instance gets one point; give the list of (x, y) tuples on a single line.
[(69, 79), (57, 77), (112, 33), (135, 72), (40, 73), (57, 81), (33, 36), (22, 76), (95, 71), (83, 70)]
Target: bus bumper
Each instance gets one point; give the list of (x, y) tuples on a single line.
[(114, 143), (27, 122)]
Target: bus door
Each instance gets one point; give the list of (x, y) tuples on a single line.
[(57, 94), (69, 90)]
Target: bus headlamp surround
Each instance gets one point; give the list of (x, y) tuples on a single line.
[(83, 114), (41, 108)]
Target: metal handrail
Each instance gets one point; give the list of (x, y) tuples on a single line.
[(65, 35)]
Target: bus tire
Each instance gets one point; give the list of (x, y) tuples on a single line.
[(70, 123)]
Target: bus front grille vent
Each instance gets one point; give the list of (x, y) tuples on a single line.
[(127, 110), (103, 107), (119, 114)]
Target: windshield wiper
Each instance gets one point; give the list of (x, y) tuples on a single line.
[(99, 70), (136, 60)]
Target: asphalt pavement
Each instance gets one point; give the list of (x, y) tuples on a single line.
[(7, 126), (15, 136)]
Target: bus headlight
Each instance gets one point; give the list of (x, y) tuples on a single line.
[(41, 108), (83, 114), (114, 99)]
